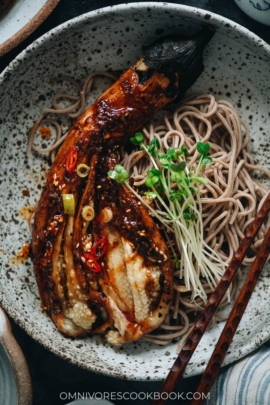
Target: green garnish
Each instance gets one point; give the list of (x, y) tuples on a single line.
[(69, 204), (82, 170), (203, 149), (119, 174), (137, 139), (176, 190)]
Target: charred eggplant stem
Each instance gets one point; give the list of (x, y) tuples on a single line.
[(179, 54), (106, 269)]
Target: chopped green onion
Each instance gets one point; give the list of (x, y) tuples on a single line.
[(88, 212), (82, 170), (69, 204)]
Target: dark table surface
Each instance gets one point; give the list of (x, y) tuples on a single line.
[(55, 381)]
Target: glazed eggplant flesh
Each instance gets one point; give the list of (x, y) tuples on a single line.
[(137, 273), (109, 273)]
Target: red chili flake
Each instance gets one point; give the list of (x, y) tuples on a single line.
[(45, 132), (91, 263), (99, 248), (96, 253), (72, 159)]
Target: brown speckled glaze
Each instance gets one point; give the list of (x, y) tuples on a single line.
[(236, 68), (16, 36)]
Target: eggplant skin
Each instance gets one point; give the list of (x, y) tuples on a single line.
[(179, 54), (133, 292)]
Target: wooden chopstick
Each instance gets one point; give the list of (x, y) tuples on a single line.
[(211, 306), (226, 337)]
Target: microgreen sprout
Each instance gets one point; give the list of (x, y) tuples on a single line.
[(119, 174), (175, 188), (137, 139), (153, 148), (203, 149)]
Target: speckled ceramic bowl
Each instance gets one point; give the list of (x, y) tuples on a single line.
[(20, 18), (15, 382), (236, 68)]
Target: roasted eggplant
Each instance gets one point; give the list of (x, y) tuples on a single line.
[(105, 267)]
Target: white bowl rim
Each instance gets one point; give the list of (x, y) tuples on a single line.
[(188, 12)]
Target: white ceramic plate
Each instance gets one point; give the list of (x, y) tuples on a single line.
[(20, 19), (237, 69)]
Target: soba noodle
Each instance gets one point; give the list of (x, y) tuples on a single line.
[(230, 200)]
